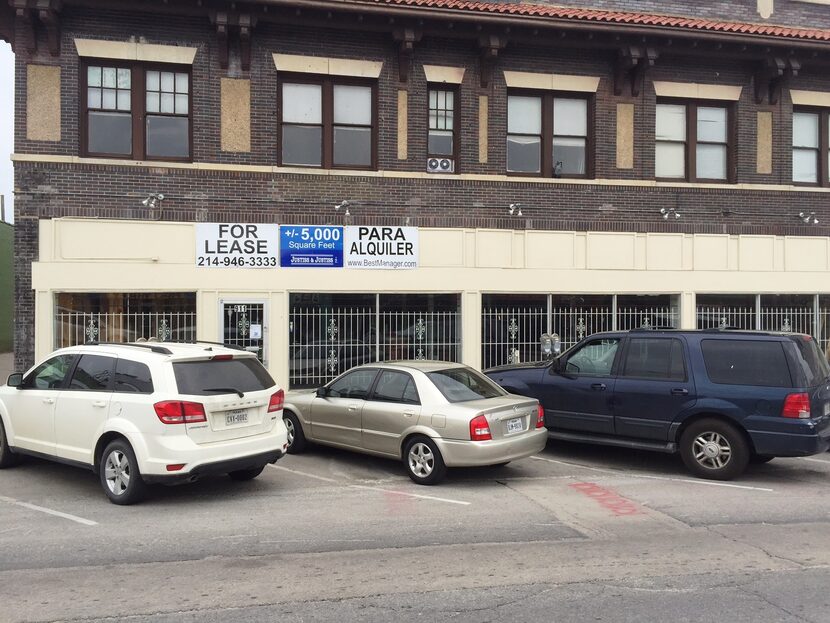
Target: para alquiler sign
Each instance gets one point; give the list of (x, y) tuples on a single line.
[(391, 248)]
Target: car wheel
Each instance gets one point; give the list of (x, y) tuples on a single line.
[(759, 459), (296, 437), (714, 449), (423, 461), (119, 474), (241, 475), (7, 457)]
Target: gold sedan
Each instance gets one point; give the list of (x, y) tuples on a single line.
[(430, 414)]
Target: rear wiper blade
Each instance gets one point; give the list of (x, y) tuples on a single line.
[(231, 390)]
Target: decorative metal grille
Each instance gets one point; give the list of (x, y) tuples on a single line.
[(243, 326), (721, 317), (73, 328)]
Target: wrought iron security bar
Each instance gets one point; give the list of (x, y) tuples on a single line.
[(73, 328)]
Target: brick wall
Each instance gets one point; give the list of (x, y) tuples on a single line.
[(53, 190)]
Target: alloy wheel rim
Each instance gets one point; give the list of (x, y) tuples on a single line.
[(712, 450), (117, 472), (289, 428), (421, 460)]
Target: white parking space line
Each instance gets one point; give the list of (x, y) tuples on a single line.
[(618, 472), (370, 488), (807, 458), (49, 511)]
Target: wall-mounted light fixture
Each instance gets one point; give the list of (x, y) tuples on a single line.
[(808, 218), (344, 204), (667, 212), (152, 200), (515, 209)]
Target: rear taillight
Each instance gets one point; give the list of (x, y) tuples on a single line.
[(540, 417), (277, 401), (480, 429), (180, 412), (797, 406), (221, 358)]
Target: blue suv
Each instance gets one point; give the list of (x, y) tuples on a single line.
[(721, 398)]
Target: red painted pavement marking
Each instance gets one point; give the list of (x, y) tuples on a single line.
[(607, 498)]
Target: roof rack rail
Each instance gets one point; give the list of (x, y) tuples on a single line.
[(717, 329), (148, 345), (657, 328), (231, 346)]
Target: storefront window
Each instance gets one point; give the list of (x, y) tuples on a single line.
[(119, 317)]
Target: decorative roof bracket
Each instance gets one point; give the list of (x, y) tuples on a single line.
[(241, 23), (26, 15), (633, 62), (489, 46), (406, 39), (770, 77)]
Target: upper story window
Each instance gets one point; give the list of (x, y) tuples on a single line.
[(692, 142), (442, 123), (548, 135), (810, 147), (328, 123), (136, 112)]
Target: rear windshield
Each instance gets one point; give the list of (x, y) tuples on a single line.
[(462, 384), (211, 378), (809, 360), (746, 362)]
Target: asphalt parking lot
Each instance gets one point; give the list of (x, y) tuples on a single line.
[(330, 524)]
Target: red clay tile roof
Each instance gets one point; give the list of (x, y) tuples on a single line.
[(616, 17)]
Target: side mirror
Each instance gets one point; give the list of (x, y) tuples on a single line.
[(322, 392), (556, 366), (15, 380)]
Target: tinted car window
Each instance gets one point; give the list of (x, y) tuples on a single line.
[(746, 362), (212, 377), (353, 385), (594, 359), (50, 374), (462, 384), (395, 387), (809, 360), (655, 358), (93, 373), (132, 377)]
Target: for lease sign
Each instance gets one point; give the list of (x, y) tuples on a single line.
[(244, 245), (392, 248)]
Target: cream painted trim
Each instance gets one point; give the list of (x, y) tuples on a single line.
[(766, 7), (134, 51), (328, 66), (551, 82), (810, 98), (450, 75), (698, 91), (403, 124), (472, 177)]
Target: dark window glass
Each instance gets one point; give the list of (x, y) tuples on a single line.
[(462, 384), (746, 362), (395, 387), (93, 373), (212, 377), (352, 125), (806, 147), (594, 359), (302, 130), (654, 358), (109, 118), (168, 137), (694, 133), (132, 377), (353, 385), (110, 133), (811, 365), (524, 134), (570, 136), (50, 374), (441, 122)]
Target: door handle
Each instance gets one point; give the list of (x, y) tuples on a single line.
[(48, 401), (600, 387), (352, 407), (99, 403), (408, 413), (680, 391)]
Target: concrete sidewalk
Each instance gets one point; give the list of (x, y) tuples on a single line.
[(6, 366)]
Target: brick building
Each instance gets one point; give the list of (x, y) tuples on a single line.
[(611, 165)]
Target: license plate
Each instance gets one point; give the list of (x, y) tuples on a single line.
[(514, 425), (237, 416)]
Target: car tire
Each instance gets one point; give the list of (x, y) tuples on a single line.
[(296, 438), (423, 461), (714, 449), (242, 475), (760, 459), (7, 457), (118, 460)]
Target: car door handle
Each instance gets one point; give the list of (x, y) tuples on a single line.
[(99, 403), (680, 391), (352, 407), (600, 387), (48, 401), (408, 413)]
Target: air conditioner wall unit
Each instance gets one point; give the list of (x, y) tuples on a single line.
[(440, 165)]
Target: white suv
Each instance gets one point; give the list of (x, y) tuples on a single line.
[(141, 413)]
